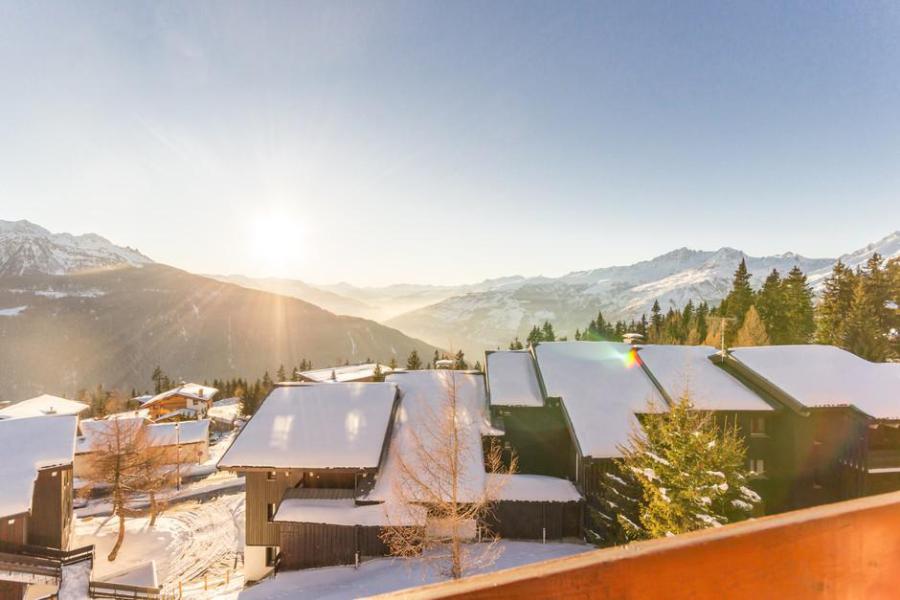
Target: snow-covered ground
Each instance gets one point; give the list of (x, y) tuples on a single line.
[(387, 574), (188, 541)]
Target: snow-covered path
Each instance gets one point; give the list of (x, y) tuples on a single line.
[(189, 541), (388, 574)]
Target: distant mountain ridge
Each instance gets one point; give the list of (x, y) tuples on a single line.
[(488, 314), (27, 249)]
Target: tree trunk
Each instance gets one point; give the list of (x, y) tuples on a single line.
[(153, 509), (121, 537)]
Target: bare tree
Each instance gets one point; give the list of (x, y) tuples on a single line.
[(125, 462), (440, 464)]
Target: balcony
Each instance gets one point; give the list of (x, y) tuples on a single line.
[(843, 550)]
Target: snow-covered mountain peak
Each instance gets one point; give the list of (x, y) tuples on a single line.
[(26, 248)]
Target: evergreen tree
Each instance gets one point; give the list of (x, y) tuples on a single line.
[(613, 511), (547, 332), (281, 374), (834, 307), (799, 312), (861, 333), (772, 310), (656, 320), (752, 332), (393, 364), (158, 377), (459, 361), (377, 374), (413, 362), (740, 297), (692, 474), (516, 344), (478, 366)]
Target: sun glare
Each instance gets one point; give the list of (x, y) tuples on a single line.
[(276, 240)]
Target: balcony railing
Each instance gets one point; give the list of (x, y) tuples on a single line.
[(844, 550)]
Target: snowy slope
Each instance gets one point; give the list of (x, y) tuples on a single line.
[(26, 248), (488, 319)]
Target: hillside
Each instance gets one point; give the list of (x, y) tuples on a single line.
[(76, 311), (491, 318)]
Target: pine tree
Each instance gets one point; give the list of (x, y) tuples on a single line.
[(281, 374), (770, 303), (392, 365), (834, 308), (692, 473), (413, 362), (861, 334), (740, 297), (656, 320), (516, 344), (547, 333), (377, 374), (752, 332), (613, 511), (798, 303)]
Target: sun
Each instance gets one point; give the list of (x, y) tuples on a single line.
[(275, 241)]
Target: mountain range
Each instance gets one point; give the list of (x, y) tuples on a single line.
[(77, 311), (489, 314)]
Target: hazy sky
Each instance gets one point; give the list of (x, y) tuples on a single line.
[(425, 142)]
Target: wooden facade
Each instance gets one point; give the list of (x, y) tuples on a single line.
[(265, 489), (307, 545), (536, 520), (176, 402), (50, 523)]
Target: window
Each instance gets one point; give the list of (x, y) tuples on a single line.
[(757, 466), (758, 426), (270, 556), (270, 475), (270, 512)]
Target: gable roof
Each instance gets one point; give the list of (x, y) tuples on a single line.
[(821, 376), (188, 390), (602, 386), (316, 426), (512, 379), (344, 373), (423, 397), (43, 405), (27, 445), (688, 368)]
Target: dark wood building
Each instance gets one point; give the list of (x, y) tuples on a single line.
[(36, 493), (319, 440)]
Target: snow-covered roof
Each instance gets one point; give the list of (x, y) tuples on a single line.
[(345, 511), (226, 410), (424, 400), (316, 426), (513, 379), (343, 373), (43, 405), (182, 432), (533, 488), (602, 386), (159, 434), (27, 445), (680, 369), (821, 376), (188, 390), (143, 575)]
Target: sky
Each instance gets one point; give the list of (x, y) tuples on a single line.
[(383, 142)]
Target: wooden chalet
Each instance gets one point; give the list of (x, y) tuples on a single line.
[(311, 444), (187, 401), (35, 497), (838, 435)]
